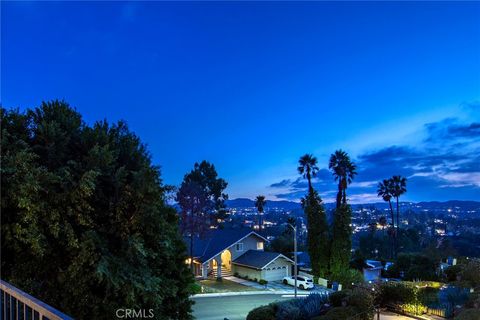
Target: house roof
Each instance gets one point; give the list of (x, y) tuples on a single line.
[(374, 264), (215, 241), (258, 259)]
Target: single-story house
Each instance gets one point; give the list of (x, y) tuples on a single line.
[(225, 252), (373, 269)]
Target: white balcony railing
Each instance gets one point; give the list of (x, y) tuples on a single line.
[(18, 305)]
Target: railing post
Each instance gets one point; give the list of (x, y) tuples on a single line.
[(13, 299)]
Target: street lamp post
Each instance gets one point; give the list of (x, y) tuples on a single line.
[(295, 256)]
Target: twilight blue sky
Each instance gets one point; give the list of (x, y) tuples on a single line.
[(253, 86)]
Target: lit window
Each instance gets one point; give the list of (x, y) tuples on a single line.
[(239, 247), (260, 245)]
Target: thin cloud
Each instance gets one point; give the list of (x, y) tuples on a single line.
[(444, 164)]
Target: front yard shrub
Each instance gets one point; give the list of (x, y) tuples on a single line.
[(469, 314), (315, 304), (263, 282), (262, 313), (347, 277), (363, 301), (195, 288), (428, 295), (395, 293), (336, 298), (338, 313), (452, 273), (291, 310)]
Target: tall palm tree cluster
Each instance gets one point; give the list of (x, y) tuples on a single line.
[(329, 246), (387, 189)]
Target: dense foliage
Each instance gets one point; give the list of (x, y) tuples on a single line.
[(413, 267), (341, 240), (317, 235), (84, 225), (262, 313), (202, 202), (294, 309), (347, 303)]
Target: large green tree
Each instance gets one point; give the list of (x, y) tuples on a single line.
[(317, 226), (201, 199), (317, 233), (341, 240), (344, 171), (84, 224)]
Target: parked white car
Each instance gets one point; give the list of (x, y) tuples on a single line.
[(302, 282)]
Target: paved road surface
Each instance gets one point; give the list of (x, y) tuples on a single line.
[(237, 307), (230, 307)]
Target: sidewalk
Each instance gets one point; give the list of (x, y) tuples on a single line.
[(246, 282)]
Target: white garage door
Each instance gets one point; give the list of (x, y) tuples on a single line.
[(275, 273)]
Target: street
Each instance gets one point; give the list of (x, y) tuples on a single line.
[(231, 307), (237, 307)]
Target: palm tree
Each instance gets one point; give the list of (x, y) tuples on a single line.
[(307, 166), (383, 222), (384, 190), (398, 185), (260, 203), (344, 170)]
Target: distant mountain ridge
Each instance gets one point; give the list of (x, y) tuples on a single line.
[(291, 205), (248, 203)]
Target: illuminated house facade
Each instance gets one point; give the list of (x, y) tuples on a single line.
[(225, 252)]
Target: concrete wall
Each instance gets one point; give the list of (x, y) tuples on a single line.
[(251, 273)]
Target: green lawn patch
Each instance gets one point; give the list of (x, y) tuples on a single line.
[(213, 286)]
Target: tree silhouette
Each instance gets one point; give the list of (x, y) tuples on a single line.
[(260, 203), (344, 172), (307, 166)]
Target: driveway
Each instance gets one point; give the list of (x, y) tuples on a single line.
[(231, 307), (275, 286)]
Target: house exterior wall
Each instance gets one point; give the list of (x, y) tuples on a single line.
[(249, 243), (244, 271)]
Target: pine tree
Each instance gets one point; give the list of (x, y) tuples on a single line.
[(317, 236), (341, 240)]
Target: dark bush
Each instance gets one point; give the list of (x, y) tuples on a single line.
[(428, 295), (338, 313), (263, 282), (347, 277), (395, 292), (291, 310), (262, 313), (362, 300), (452, 272), (195, 288), (469, 314), (315, 304), (336, 298)]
